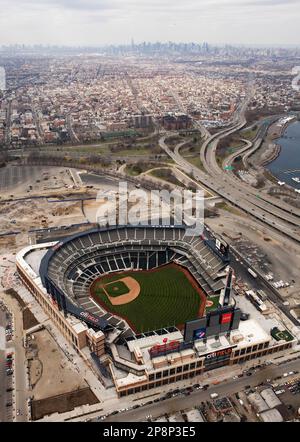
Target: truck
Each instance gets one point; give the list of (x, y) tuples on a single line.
[(252, 273)]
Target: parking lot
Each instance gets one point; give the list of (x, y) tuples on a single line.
[(6, 366), (23, 180), (13, 176)]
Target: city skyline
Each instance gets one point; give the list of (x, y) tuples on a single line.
[(98, 22)]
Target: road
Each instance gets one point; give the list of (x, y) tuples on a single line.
[(16, 346), (280, 217), (260, 283), (265, 202), (74, 138), (8, 121), (181, 402), (2, 368)]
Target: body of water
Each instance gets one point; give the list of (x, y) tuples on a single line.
[(287, 164)]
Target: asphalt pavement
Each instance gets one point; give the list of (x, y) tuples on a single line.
[(182, 402)]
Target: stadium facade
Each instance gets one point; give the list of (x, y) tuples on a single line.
[(59, 275)]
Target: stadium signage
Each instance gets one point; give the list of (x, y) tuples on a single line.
[(222, 246), (219, 354), (226, 318), (200, 333), (89, 317), (159, 349)]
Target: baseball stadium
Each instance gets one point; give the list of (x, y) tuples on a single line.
[(136, 278), (144, 306)]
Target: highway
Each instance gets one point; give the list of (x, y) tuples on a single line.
[(276, 214), (225, 388), (233, 194), (266, 203)]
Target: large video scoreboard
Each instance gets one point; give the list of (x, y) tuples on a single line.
[(213, 324)]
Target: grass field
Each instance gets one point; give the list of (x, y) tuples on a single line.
[(168, 296), (281, 335), (215, 303)]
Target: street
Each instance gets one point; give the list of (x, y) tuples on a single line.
[(182, 402), (15, 346)]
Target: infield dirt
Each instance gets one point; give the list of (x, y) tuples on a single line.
[(169, 296)]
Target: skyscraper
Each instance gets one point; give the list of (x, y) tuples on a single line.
[(2, 79)]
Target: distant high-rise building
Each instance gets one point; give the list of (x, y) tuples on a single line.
[(142, 121), (2, 79)]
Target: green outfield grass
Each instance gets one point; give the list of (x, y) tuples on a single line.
[(215, 301), (281, 335), (167, 298)]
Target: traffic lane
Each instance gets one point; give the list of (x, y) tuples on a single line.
[(242, 272), (177, 158), (266, 205), (20, 370), (194, 399), (2, 368), (260, 283)]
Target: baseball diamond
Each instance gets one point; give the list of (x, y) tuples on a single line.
[(119, 292), (162, 297)]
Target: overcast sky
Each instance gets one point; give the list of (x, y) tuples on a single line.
[(92, 22)]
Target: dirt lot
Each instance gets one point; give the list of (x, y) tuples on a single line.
[(22, 180), (51, 373), (29, 319), (38, 213), (62, 403)]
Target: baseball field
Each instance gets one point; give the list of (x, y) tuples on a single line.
[(150, 300)]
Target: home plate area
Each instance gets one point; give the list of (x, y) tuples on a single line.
[(120, 292)]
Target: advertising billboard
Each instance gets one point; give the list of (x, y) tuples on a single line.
[(222, 247), (214, 323), (226, 318), (218, 355), (192, 326), (162, 349), (200, 333)]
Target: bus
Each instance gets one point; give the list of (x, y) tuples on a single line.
[(252, 273)]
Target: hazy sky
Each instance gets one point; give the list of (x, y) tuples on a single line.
[(92, 22)]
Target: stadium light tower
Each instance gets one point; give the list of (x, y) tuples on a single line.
[(225, 297)]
